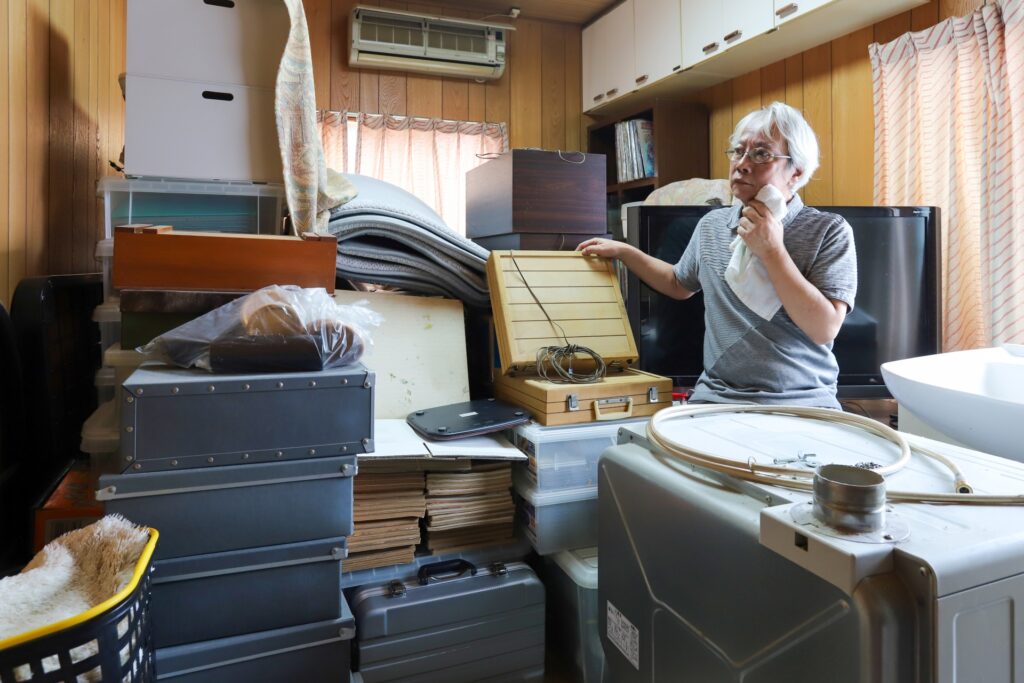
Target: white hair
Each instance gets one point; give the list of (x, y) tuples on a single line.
[(779, 121)]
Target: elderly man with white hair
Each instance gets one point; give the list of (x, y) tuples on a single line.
[(778, 277)]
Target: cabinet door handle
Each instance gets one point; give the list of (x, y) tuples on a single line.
[(677, 67), (729, 37), (641, 79), (788, 9), (599, 96), (710, 47), (612, 92)]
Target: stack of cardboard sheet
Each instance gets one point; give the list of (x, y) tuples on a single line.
[(469, 508), (388, 507)]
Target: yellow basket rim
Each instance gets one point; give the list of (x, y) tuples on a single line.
[(140, 571)]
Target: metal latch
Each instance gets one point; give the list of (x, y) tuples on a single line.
[(652, 394), (396, 589), (499, 569), (572, 402)]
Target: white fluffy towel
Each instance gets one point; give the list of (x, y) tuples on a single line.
[(746, 274), (69, 576)]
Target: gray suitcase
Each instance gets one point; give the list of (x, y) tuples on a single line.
[(456, 624), (242, 506), (176, 419), (241, 591), (311, 653)]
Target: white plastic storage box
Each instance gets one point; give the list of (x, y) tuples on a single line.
[(206, 597), (570, 578), (108, 316), (122, 363), (212, 510), (239, 207), (312, 653), (199, 130), (565, 457), (556, 520), (100, 439), (104, 385), (105, 255)]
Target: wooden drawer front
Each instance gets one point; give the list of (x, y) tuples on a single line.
[(237, 42), (186, 129)]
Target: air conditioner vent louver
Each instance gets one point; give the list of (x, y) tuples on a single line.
[(406, 41)]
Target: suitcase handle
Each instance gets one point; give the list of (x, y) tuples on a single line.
[(459, 567), (604, 417)]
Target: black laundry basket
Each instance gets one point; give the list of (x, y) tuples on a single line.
[(111, 642)]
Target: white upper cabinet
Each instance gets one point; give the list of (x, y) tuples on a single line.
[(702, 22), (785, 10), (657, 38), (609, 65), (746, 19)]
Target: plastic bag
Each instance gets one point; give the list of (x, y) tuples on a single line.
[(274, 329)]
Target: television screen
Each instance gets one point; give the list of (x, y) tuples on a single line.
[(896, 313)]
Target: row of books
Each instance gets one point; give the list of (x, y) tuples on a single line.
[(634, 149)]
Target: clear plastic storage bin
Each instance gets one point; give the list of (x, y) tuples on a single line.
[(108, 316), (189, 205), (122, 362), (571, 581), (566, 457), (557, 520), (105, 255), (101, 440)]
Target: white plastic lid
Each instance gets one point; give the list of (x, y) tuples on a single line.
[(534, 432), (105, 248), (116, 357), (580, 565), (108, 312), (171, 186), (537, 498), (105, 377), (99, 432)]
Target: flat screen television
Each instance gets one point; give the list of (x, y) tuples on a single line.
[(896, 313)]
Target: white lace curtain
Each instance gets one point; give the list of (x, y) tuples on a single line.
[(949, 131), (427, 157)]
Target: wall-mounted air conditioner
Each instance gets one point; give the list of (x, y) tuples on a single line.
[(445, 46)]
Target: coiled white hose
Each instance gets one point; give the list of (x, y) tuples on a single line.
[(801, 480)]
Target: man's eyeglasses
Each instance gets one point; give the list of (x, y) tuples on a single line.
[(759, 155)]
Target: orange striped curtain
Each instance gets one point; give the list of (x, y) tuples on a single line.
[(949, 132)]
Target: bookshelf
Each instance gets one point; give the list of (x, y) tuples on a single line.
[(680, 132)]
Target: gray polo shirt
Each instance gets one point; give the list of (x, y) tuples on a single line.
[(748, 359)]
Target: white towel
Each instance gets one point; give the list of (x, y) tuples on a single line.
[(746, 274)]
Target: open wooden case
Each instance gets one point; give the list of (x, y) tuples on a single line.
[(543, 298)]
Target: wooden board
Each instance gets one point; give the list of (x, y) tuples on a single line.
[(220, 262), (579, 293)]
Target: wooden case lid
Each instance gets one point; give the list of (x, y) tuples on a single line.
[(580, 293)]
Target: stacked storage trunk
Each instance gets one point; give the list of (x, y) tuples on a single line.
[(248, 478)]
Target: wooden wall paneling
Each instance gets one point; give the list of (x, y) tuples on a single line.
[(553, 79), (574, 128), (93, 148), (525, 88), (853, 129), (746, 95), (455, 91), (344, 81), (795, 81), (720, 106), (497, 92), (6, 104), (773, 83), (61, 137), (84, 135), (17, 262), (957, 8), (924, 16), (817, 92), (892, 28), (423, 93), (391, 85), (318, 19), (38, 132)]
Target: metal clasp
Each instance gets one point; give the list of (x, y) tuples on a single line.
[(499, 569), (572, 402), (396, 589), (652, 394)]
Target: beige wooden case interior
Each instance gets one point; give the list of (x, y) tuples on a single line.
[(580, 293)]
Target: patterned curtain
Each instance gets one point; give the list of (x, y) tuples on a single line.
[(427, 157), (949, 132)]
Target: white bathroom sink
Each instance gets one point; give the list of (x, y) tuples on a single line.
[(975, 397)]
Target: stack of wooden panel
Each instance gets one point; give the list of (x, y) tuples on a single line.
[(388, 507), (469, 508)]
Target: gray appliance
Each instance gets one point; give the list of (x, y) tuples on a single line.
[(709, 579)]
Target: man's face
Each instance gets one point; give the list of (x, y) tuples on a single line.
[(746, 177)]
